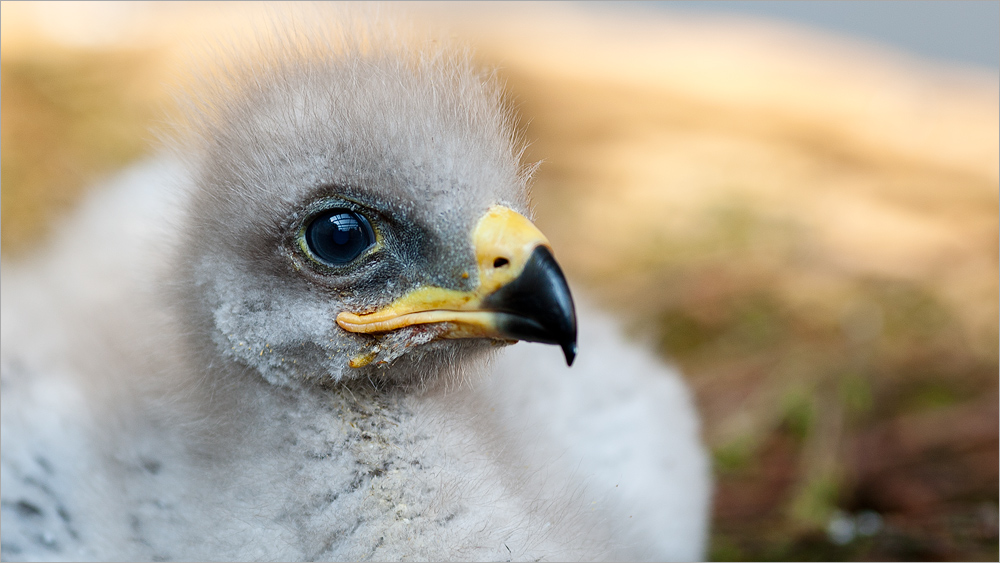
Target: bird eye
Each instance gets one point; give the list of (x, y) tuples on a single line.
[(338, 236)]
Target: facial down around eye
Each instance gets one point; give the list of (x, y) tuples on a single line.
[(336, 237)]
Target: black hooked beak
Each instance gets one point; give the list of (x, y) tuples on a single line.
[(537, 305)]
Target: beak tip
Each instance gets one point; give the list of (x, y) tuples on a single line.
[(569, 349)]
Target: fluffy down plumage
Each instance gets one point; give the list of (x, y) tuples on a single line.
[(175, 385)]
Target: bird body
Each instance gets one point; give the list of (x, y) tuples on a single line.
[(178, 381)]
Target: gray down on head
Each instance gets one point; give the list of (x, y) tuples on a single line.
[(288, 338)]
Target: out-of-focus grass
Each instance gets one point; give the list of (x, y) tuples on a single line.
[(813, 239), (814, 254), (68, 116)]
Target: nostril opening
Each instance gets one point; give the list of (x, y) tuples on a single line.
[(500, 262)]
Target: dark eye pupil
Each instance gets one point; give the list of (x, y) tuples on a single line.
[(338, 236)]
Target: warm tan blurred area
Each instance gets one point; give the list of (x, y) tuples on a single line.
[(808, 227)]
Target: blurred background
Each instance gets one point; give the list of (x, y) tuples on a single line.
[(797, 203)]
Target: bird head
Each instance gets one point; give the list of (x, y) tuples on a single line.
[(362, 212)]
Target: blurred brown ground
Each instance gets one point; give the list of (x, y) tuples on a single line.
[(808, 227)]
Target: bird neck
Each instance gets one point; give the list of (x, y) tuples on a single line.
[(354, 460)]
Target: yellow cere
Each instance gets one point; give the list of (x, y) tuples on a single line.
[(506, 234)]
